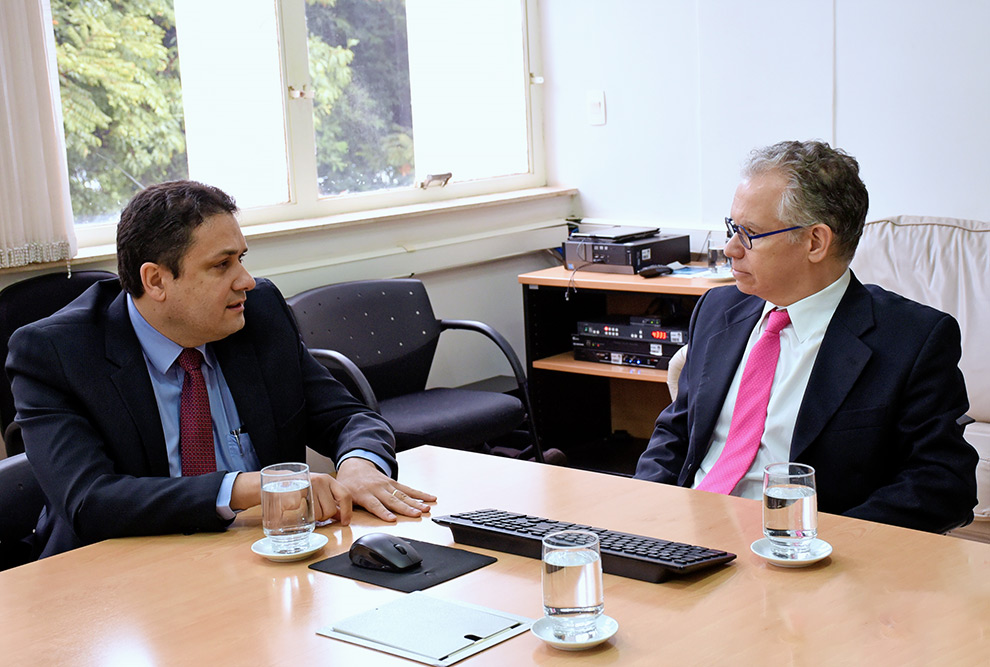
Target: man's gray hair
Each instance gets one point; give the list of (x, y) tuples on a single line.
[(823, 186)]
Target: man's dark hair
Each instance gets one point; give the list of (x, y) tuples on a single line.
[(823, 186), (157, 226)]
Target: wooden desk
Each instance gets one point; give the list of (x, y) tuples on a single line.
[(579, 404), (886, 596)]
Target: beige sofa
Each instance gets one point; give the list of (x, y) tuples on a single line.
[(945, 263)]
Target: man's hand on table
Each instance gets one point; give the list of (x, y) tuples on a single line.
[(358, 481), (379, 494)]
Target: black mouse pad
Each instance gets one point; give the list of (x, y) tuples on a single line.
[(439, 564)]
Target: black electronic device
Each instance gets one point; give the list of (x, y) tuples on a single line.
[(381, 551), (648, 320), (589, 254), (623, 554), (650, 348), (617, 358), (616, 234), (634, 328)]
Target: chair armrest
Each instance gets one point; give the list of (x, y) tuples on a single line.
[(22, 497), (965, 420), (517, 369), (674, 368), (12, 440), (496, 337), (332, 359)]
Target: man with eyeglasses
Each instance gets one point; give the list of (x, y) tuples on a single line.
[(799, 361)]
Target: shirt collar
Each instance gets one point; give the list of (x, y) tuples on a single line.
[(158, 349), (813, 313)]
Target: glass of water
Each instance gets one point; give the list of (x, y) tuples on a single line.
[(718, 264), (573, 594), (287, 506), (790, 508)]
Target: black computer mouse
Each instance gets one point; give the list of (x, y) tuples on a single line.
[(655, 270), (381, 551)]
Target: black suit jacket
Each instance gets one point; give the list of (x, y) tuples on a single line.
[(878, 418), (93, 434)]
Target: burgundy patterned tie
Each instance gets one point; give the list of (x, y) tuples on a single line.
[(749, 417), (195, 421)]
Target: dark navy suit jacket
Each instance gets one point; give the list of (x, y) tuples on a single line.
[(878, 419), (93, 434)]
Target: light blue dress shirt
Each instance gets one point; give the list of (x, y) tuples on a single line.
[(232, 444)]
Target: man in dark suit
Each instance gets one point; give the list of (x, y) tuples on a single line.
[(99, 389), (867, 388)]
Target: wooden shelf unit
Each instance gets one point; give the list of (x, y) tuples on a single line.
[(581, 404)]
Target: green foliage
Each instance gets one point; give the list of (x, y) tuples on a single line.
[(328, 66), (362, 117), (121, 99)]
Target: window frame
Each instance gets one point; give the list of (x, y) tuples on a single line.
[(305, 202)]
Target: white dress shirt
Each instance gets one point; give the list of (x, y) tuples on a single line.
[(799, 345)]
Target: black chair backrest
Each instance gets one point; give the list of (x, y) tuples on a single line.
[(29, 301), (386, 327)]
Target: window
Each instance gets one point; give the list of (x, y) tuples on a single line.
[(298, 108)]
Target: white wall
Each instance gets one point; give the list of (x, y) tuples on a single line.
[(692, 86), (913, 103), (643, 163)]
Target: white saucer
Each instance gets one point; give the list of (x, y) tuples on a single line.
[(819, 550), (263, 547), (605, 627), (720, 278)]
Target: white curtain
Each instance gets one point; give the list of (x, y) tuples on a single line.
[(35, 211)]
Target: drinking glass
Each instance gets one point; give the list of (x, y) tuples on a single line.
[(718, 264), (287, 506), (573, 595), (790, 508)]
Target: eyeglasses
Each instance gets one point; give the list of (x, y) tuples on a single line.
[(746, 238)]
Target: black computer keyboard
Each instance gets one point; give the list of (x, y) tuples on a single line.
[(634, 556)]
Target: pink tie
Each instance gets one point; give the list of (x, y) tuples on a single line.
[(195, 421), (750, 414)]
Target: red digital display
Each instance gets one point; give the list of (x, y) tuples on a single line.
[(659, 335)]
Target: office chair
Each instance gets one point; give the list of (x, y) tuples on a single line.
[(28, 301), (382, 335), (21, 502), (674, 368)]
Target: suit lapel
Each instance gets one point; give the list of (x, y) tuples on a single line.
[(130, 377), (242, 371), (839, 363), (722, 353)]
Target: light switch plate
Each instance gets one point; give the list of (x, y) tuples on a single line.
[(596, 107)]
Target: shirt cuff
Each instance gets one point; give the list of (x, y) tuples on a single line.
[(223, 497), (364, 454)]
